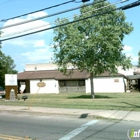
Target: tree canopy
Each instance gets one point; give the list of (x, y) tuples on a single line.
[(94, 44)]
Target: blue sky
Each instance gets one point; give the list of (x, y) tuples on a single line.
[(36, 48)]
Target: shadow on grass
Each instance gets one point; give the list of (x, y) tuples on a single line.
[(89, 97), (134, 106)]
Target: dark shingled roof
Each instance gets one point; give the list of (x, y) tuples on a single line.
[(56, 74), (52, 74)]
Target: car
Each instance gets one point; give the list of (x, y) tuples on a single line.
[(2, 92)]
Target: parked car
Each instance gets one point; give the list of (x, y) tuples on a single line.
[(2, 92)]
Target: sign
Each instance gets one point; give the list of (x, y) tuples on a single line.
[(10, 79), (41, 84)]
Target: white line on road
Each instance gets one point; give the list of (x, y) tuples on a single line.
[(78, 130)]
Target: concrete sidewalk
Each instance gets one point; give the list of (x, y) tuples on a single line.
[(81, 113)]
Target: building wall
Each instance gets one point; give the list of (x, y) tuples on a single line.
[(107, 85), (87, 85), (101, 85), (43, 66), (51, 86)]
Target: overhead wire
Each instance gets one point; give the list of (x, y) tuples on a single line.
[(117, 2), (5, 2), (53, 27), (4, 20), (47, 16)]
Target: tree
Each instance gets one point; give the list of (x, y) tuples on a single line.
[(94, 44), (139, 59), (6, 67)]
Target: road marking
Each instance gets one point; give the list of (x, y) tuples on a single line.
[(78, 130), (8, 137)]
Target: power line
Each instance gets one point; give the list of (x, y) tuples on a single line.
[(131, 5), (64, 24), (67, 18), (54, 14), (5, 2), (4, 20), (85, 0)]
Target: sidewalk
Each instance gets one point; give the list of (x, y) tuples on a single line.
[(81, 113)]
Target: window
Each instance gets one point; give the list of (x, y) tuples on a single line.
[(82, 83), (71, 83)]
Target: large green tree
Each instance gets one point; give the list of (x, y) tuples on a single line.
[(94, 44)]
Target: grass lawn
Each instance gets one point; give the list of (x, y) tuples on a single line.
[(105, 101)]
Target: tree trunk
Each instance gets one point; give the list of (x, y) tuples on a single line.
[(92, 85)]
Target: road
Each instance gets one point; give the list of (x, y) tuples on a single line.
[(48, 127)]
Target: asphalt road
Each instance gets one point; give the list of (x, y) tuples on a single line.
[(41, 127)]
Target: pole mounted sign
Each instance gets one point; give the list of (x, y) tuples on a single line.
[(10, 79), (11, 86)]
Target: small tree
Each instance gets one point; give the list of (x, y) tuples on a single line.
[(93, 44)]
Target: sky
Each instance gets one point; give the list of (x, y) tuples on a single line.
[(37, 48)]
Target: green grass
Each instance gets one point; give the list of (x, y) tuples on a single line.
[(105, 101)]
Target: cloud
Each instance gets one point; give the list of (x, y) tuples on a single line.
[(127, 48), (25, 28), (32, 48), (134, 58), (39, 43), (38, 55), (129, 52), (37, 14), (27, 42), (34, 40)]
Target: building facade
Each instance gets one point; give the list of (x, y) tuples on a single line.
[(57, 82)]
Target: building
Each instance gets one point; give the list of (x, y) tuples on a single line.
[(133, 81), (57, 82)]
